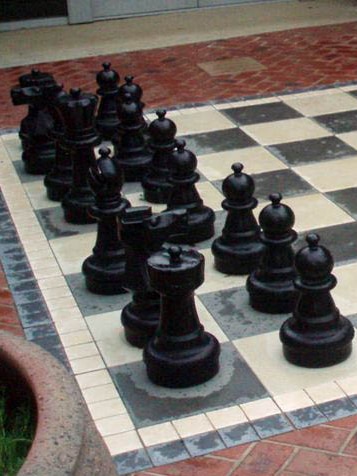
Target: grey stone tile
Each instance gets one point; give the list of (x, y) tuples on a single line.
[(336, 409), (238, 434), (205, 443), (305, 417), (272, 425), (54, 225), (127, 463), (167, 453)]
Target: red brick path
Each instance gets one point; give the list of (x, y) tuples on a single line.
[(325, 450), (304, 57), (9, 320)]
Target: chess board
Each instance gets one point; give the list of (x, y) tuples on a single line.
[(303, 145)]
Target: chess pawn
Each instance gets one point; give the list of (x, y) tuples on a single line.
[(156, 184), (58, 181), (270, 286), (184, 195), (181, 353), (238, 250), (104, 270), (107, 117), (143, 234), (38, 79), (129, 87), (316, 335), (129, 144), (80, 136)]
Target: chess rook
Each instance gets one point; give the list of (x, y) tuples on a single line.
[(270, 286), (181, 353), (316, 335), (104, 270), (184, 195), (143, 234), (107, 120), (239, 249)]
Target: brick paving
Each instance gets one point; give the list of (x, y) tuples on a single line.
[(300, 58)]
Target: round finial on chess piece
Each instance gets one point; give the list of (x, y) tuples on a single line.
[(175, 254), (238, 187), (237, 168)]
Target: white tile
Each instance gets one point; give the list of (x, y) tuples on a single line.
[(226, 417), (260, 408), (87, 364), (158, 434), (325, 392), (291, 401), (52, 283), (349, 137), (58, 292), (336, 101), (65, 302), (42, 263), (49, 272), (192, 425), (100, 393), (348, 385), (66, 314), (106, 408), (81, 350), (114, 425), (201, 121), (123, 442), (92, 379), (70, 325), (73, 250), (210, 194), (36, 191), (344, 293), (209, 323), (137, 200), (76, 338)]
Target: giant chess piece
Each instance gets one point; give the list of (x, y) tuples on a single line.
[(181, 353), (129, 87), (38, 79), (239, 249), (143, 234), (80, 136), (59, 179), (316, 335), (107, 117), (185, 195), (104, 270), (270, 286), (129, 144), (156, 184)]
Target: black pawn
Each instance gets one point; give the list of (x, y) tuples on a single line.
[(58, 181), (239, 249), (156, 184), (129, 87), (270, 286), (129, 144), (316, 335), (143, 234), (181, 354), (107, 117), (80, 136), (184, 195), (104, 270)]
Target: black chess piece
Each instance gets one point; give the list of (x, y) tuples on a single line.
[(181, 353), (155, 183), (129, 87), (270, 286), (239, 249), (143, 234), (129, 144), (36, 135), (104, 270), (80, 136), (107, 121), (59, 179), (316, 335), (38, 79), (185, 195)]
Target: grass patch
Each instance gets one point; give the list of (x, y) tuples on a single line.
[(17, 429)]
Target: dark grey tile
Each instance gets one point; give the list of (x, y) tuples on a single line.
[(272, 425), (234, 384), (55, 226), (216, 141), (340, 408), (33, 314), (238, 434), (339, 122), (286, 181), (90, 303), (274, 111), (52, 344), (311, 150), (14, 253), (231, 309), (24, 286), (167, 453), (353, 93), (26, 297), (306, 417), (205, 443), (346, 199), (40, 331), (127, 463), (24, 176)]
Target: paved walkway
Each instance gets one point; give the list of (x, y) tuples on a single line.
[(279, 61)]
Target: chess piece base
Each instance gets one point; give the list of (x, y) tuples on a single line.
[(200, 227), (271, 298), (76, 208), (236, 259), (56, 187), (140, 322), (102, 279), (134, 167), (39, 162), (156, 191)]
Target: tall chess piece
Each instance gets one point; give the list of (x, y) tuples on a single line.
[(35, 78), (270, 286), (59, 179), (316, 335), (181, 353), (143, 234), (104, 270), (129, 144), (239, 249), (80, 136), (107, 121), (185, 195), (155, 183)]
